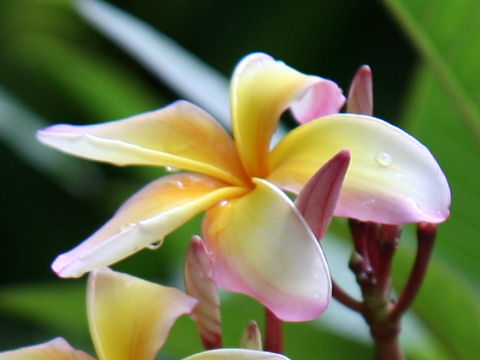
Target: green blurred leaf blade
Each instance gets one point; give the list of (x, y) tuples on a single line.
[(443, 111)]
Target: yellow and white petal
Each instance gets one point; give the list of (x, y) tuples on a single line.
[(236, 354), (392, 177), (130, 318), (180, 135), (145, 218), (56, 349), (261, 90), (261, 246)]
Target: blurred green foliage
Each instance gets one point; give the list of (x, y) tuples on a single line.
[(54, 67)]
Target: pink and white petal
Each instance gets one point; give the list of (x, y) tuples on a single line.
[(322, 99), (56, 349), (261, 90), (130, 318), (392, 177), (146, 218), (261, 246), (318, 198), (236, 354), (180, 135)]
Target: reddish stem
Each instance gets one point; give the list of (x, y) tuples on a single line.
[(273, 332), (373, 244), (340, 294), (426, 234), (387, 346), (365, 240), (387, 245), (375, 247), (358, 230)]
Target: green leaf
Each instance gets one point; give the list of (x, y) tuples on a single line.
[(447, 304), (443, 111), (17, 130), (98, 85), (179, 69), (452, 299), (435, 121), (59, 305), (447, 34)]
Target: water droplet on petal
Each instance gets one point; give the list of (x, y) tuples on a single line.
[(155, 245), (384, 159), (223, 203), (172, 169)]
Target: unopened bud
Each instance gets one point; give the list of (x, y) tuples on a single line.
[(318, 198), (199, 284), (251, 337), (360, 96)]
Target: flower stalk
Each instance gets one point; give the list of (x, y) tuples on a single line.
[(273, 332), (371, 262), (426, 235), (376, 245), (343, 297)]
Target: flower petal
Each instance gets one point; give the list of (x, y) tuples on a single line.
[(262, 247), (180, 135), (322, 99), (56, 349), (236, 354), (130, 318), (144, 219), (392, 177), (261, 90), (318, 198)]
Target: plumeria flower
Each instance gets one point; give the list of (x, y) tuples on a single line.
[(129, 319), (260, 244)]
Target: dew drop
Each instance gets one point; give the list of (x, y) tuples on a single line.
[(384, 159), (155, 245), (223, 203), (171, 169), (176, 183)]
